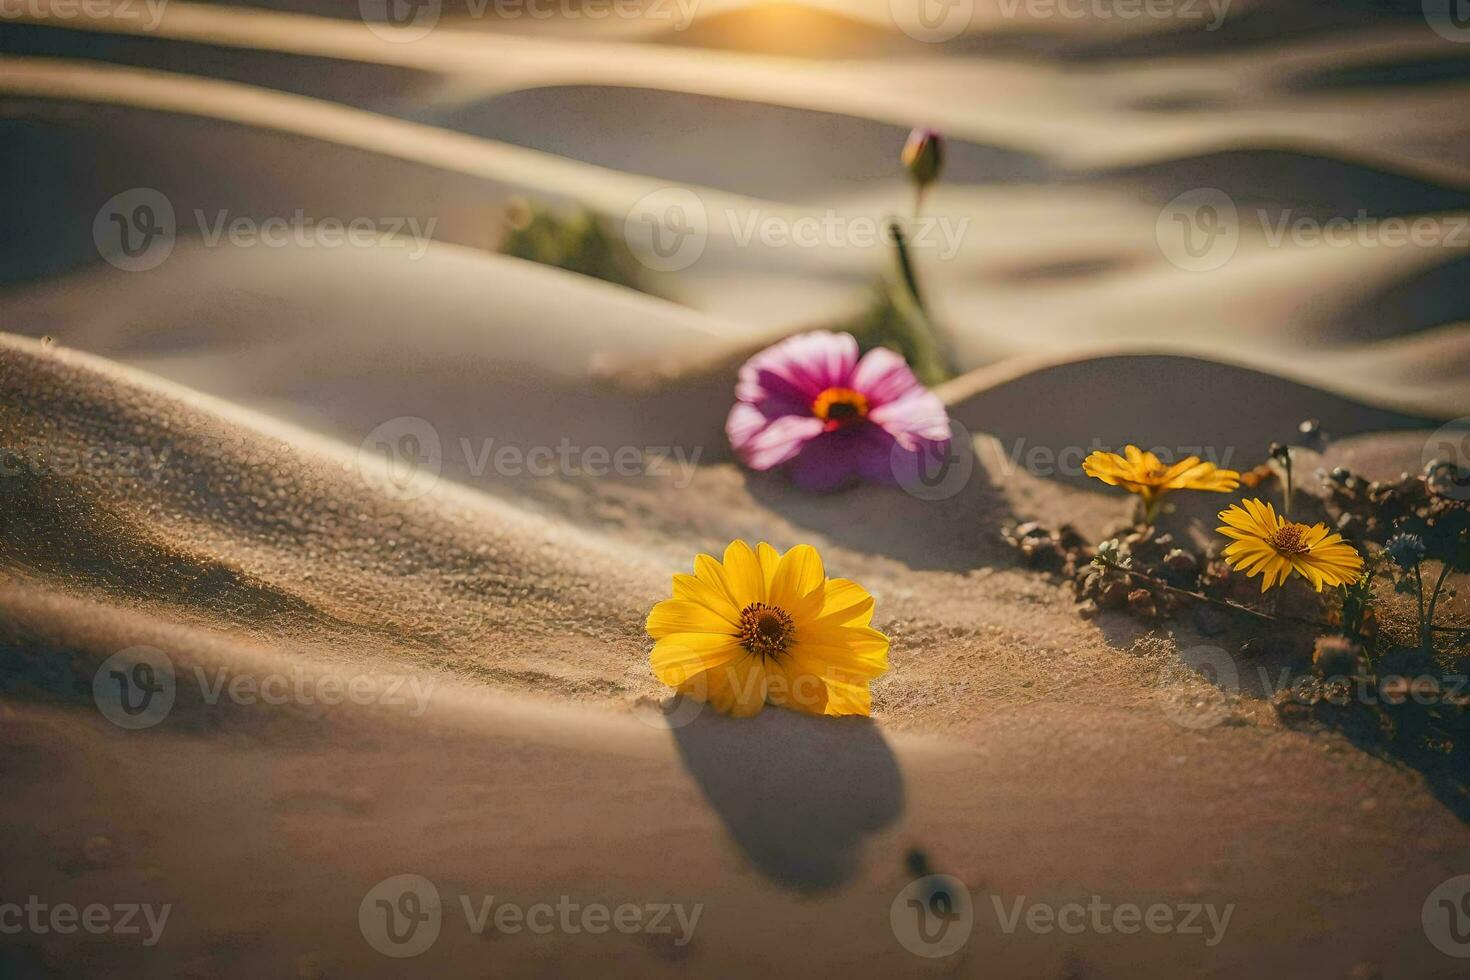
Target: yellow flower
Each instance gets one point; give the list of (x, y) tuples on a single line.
[(1270, 545), (1143, 473), (766, 626)]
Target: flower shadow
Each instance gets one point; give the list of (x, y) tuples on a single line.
[(798, 794), (953, 527)]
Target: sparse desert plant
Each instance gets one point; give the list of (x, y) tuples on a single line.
[(1385, 672), (575, 241), (897, 316), (890, 320)]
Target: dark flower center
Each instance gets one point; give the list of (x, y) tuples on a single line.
[(1290, 539), (765, 629), (840, 406)]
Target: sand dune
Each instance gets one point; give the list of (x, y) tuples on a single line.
[(514, 360), (1175, 399), (1261, 292), (485, 798), (511, 357), (459, 181), (169, 501), (767, 151), (1085, 118)]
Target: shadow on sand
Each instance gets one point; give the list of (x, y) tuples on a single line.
[(798, 794), (947, 517), (1407, 710)]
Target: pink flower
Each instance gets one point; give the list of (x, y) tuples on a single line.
[(810, 404)]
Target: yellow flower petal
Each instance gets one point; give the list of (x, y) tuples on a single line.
[(841, 654), (1143, 473), (684, 616), (736, 687), (709, 571), (743, 574), (1267, 544), (798, 579), (694, 589), (846, 603), (812, 649), (770, 560), (679, 656), (848, 699), (790, 685)]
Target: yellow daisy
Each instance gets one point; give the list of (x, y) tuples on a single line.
[(766, 626), (1144, 474), (1270, 545)]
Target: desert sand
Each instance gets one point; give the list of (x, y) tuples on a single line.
[(185, 470)]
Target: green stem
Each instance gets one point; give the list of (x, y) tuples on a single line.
[(936, 361), (1419, 594), (1286, 465), (1222, 603), (906, 266), (1426, 633)]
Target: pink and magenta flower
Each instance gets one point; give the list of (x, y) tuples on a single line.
[(809, 404)]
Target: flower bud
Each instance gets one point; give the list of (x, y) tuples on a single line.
[(1405, 550), (923, 155)]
